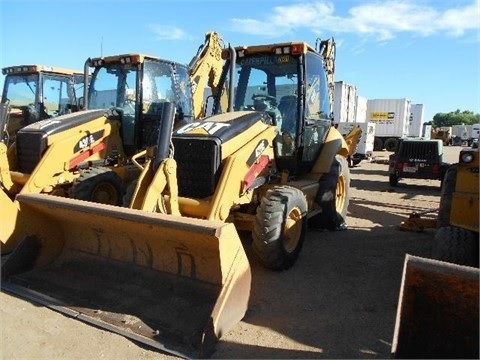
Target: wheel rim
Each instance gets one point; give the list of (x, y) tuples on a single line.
[(105, 193), (292, 230), (340, 193)]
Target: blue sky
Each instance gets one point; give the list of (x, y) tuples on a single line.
[(426, 51)]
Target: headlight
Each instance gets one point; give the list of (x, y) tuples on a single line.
[(466, 158)]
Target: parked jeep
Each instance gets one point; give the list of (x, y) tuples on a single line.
[(418, 159)]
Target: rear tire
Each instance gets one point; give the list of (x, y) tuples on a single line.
[(456, 245), (393, 180), (390, 144), (279, 228), (333, 197), (99, 185), (377, 144)]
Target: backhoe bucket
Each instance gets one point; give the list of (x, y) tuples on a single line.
[(173, 283), (437, 314)]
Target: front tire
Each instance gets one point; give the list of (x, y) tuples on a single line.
[(333, 197), (279, 228), (99, 185)]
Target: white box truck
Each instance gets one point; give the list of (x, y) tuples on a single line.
[(392, 121), (461, 134)]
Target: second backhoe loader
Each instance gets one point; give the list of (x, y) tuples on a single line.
[(85, 155), (170, 270)]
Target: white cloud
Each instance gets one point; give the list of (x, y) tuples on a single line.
[(383, 20), (457, 21), (163, 32)]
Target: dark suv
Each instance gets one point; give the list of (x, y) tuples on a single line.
[(418, 159)]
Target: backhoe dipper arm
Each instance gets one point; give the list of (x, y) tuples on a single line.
[(206, 68)]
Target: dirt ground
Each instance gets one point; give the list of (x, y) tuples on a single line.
[(339, 300)]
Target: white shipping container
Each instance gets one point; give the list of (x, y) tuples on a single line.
[(365, 144), (391, 116), (344, 102), (361, 110), (417, 119)]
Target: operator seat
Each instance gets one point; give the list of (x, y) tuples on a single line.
[(288, 109)]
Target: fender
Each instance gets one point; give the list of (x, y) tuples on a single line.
[(334, 144)]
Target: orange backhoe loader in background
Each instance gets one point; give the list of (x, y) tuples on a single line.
[(170, 271)]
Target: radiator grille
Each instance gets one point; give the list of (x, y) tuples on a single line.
[(30, 148), (198, 166)]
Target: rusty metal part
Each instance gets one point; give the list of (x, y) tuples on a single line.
[(416, 223), (437, 314)]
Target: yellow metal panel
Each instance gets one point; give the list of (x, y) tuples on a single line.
[(464, 212)]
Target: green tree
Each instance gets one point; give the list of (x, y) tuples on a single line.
[(455, 118)]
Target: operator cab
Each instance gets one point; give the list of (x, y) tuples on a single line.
[(36, 92), (136, 87), (289, 82)]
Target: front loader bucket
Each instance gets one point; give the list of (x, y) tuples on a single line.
[(173, 283), (437, 314)]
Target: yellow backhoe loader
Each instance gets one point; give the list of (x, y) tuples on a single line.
[(170, 270), (36, 92), (86, 155)]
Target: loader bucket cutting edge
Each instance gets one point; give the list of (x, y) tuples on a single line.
[(174, 283), (438, 312)]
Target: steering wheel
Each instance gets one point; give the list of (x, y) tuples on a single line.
[(263, 97)]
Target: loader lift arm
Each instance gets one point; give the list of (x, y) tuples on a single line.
[(352, 139)]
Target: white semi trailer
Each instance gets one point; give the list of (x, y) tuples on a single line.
[(392, 121)]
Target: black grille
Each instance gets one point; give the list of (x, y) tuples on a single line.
[(198, 165), (420, 150), (30, 148)]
